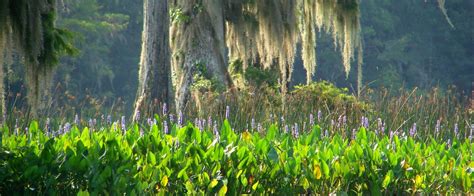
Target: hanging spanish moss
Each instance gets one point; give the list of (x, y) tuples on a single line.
[(30, 31), (267, 31), (441, 4), (197, 45)]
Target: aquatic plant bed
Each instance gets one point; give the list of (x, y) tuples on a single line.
[(145, 160)]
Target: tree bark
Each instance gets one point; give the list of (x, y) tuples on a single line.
[(198, 40), (154, 85)]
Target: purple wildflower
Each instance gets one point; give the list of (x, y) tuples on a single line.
[(149, 122), (209, 122), (48, 126), (91, 123), (180, 118), (286, 129), (227, 112), (137, 116), (77, 121), (109, 119), (472, 132), (413, 130), (201, 124), (171, 118), (296, 130), (383, 128), (311, 120), (320, 115), (165, 109), (67, 127), (17, 129), (456, 130), (252, 124), (122, 123), (165, 127), (60, 129), (438, 126), (215, 130), (339, 121), (196, 122), (365, 122)]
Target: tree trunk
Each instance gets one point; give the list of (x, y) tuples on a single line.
[(198, 47), (154, 85)]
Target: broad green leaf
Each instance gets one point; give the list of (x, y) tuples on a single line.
[(325, 169), (387, 179), (223, 190)]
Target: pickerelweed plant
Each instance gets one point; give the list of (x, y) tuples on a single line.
[(150, 158)]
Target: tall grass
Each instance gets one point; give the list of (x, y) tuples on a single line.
[(436, 113)]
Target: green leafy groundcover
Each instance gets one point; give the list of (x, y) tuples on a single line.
[(189, 160)]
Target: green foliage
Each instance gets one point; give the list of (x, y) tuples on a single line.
[(194, 161), (328, 93), (203, 81), (178, 16)]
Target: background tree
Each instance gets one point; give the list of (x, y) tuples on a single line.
[(155, 72), (28, 27)]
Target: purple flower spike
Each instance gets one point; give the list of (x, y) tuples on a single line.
[(171, 118), (438, 126), (180, 118), (365, 122), (109, 119), (165, 109), (456, 130), (91, 123), (252, 124), (149, 122), (296, 132), (137, 117), (17, 129), (122, 123), (413, 130), (209, 122), (60, 130), (227, 112), (472, 132), (320, 115), (77, 121), (165, 127), (67, 128), (215, 130), (311, 120)]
